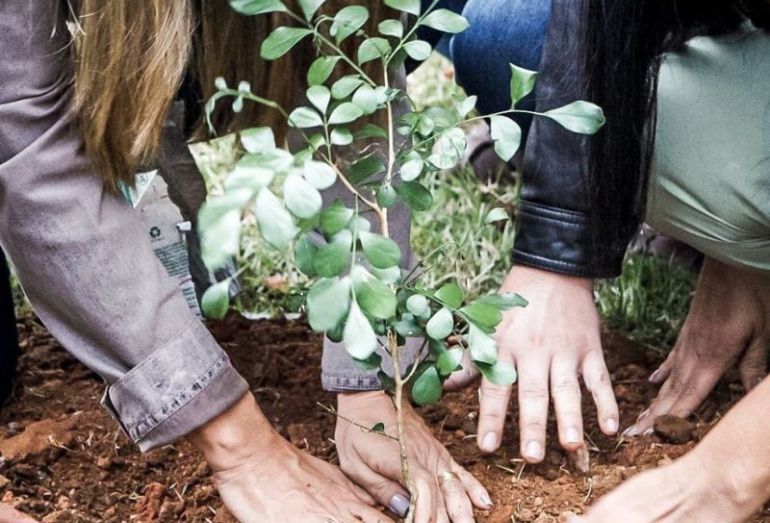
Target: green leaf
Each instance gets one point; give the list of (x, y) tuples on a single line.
[(327, 303), (392, 28), (331, 259), (386, 196), (345, 113), (415, 195), (359, 336), (345, 86), (366, 99), (502, 374), (418, 305), (407, 6), (304, 255), (466, 105), (258, 139), (305, 117), (275, 222), (419, 50), (276, 160), (302, 199), (365, 167), (507, 136), (390, 276), (441, 325), (215, 302), (579, 117), (412, 168), (347, 21), (373, 362), (449, 149), (505, 301), (381, 252), (522, 83), (257, 7), (378, 428), (371, 131), (450, 295), (321, 69), (374, 297), (221, 240), (309, 7), (335, 218), (373, 49), (319, 96), (407, 326), (281, 41), (482, 347), (498, 214), (446, 21), (483, 314), (319, 174), (449, 361), (427, 388), (341, 136), (218, 206)]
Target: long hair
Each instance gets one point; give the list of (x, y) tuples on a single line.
[(132, 57), (624, 42)]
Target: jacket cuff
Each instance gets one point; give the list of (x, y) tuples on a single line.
[(559, 240), (176, 390), (340, 373)]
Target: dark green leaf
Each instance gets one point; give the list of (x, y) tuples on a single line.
[(449, 361), (335, 218), (371, 131), (407, 326), (483, 314), (365, 167), (331, 259), (375, 298), (386, 196), (379, 428), (371, 363), (415, 195), (304, 254)]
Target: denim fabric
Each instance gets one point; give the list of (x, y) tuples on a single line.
[(81, 254)]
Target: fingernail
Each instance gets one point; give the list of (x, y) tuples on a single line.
[(399, 505), (648, 432), (486, 501), (572, 435), (534, 450), (654, 376), (489, 443), (611, 424)]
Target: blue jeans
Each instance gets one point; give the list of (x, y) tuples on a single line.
[(501, 32)]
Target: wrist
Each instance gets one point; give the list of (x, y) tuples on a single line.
[(522, 274), (240, 432), (345, 399)]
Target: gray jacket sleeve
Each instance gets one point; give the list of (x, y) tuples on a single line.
[(81, 254)]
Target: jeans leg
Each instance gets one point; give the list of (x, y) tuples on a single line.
[(501, 32)]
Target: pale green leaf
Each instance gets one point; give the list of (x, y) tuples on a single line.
[(441, 325), (257, 139), (281, 41), (498, 214), (381, 252), (446, 21), (449, 361), (359, 336), (419, 50), (408, 6), (345, 113), (319, 96), (321, 69), (309, 7), (275, 222), (502, 374), (319, 174), (418, 305), (482, 347), (215, 302), (347, 21), (392, 28), (507, 136), (327, 303), (305, 117), (373, 49), (257, 7), (366, 99), (374, 297), (302, 199), (450, 295), (345, 86), (522, 83), (579, 117), (427, 388)]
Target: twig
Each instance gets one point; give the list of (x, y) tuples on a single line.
[(333, 412)]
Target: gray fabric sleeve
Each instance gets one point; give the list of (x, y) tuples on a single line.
[(82, 256)]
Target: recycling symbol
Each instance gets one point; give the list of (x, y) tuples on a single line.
[(155, 233)]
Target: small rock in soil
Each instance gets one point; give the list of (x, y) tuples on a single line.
[(580, 459), (38, 437), (525, 515), (4, 482), (674, 429)]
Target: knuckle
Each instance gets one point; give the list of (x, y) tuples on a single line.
[(566, 387), (534, 393)]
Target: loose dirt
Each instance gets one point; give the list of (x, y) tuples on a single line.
[(64, 459)]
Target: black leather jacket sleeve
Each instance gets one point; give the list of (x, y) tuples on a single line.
[(552, 224)]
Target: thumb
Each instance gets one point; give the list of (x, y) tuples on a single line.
[(753, 366), (389, 493)]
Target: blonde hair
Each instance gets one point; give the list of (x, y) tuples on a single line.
[(131, 62)]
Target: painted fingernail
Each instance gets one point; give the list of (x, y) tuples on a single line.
[(486, 501), (573, 435), (489, 443), (534, 450), (611, 424), (399, 505), (654, 376)]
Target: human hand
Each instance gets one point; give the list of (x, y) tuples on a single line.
[(445, 491), (551, 341), (262, 478), (728, 322), (11, 515)]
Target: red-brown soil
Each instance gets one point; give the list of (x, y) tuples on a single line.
[(64, 459)]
